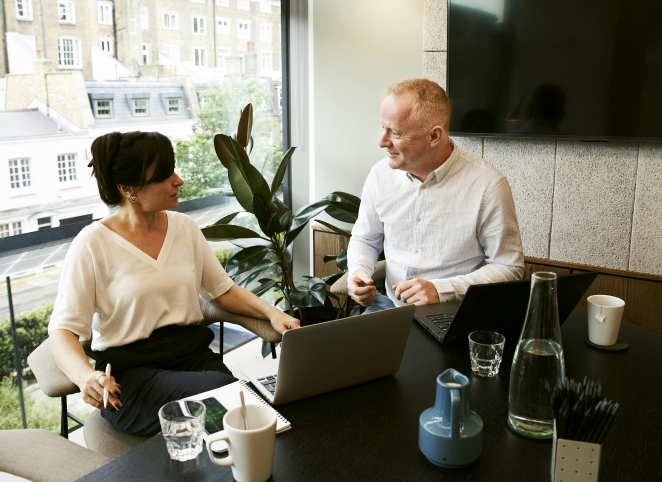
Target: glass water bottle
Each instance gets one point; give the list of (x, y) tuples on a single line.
[(538, 365)]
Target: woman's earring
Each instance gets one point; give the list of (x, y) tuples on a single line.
[(133, 198)]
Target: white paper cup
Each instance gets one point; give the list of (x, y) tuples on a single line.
[(610, 308)]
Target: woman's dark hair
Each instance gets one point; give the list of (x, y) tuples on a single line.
[(124, 158)]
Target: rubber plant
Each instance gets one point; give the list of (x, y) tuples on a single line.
[(268, 252)]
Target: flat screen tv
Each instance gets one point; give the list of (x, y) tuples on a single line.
[(583, 69)]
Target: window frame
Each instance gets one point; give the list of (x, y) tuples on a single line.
[(64, 168), (264, 4), (179, 105), (95, 108), (201, 22), (22, 174), (248, 29), (134, 107), (70, 12), (247, 4), (223, 3), (171, 15), (269, 27), (109, 42), (170, 47), (76, 53), (267, 54), (145, 53), (26, 6), (198, 56), (100, 9), (144, 18), (225, 50), (223, 29)]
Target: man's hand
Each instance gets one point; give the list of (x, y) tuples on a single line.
[(282, 322), (360, 288), (416, 292), (92, 387)]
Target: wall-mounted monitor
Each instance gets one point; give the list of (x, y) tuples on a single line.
[(584, 69)]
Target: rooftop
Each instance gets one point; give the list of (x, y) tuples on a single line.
[(27, 123)]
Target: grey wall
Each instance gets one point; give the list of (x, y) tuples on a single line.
[(579, 202)]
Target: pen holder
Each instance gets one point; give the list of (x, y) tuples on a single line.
[(574, 461)]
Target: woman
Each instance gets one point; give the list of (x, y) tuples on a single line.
[(133, 278)]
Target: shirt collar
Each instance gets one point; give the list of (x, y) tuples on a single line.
[(441, 171)]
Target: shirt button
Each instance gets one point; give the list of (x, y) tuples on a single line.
[(410, 277), (422, 187), (416, 251), (418, 220)]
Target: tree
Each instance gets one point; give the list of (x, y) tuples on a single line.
[(199, 166)]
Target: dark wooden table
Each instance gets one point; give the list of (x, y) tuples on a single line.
[(370, 431)]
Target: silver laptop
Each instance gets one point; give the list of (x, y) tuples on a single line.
[(336, 354)]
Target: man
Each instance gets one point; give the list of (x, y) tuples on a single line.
[(445, 217)]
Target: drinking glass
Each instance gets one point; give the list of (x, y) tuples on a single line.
[(486, 351), (182, 424)]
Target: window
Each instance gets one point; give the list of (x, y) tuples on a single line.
[(10, 229), (68, 52), (145, 54), (223, 26), (105, 10), (279, 96), (170, 21), (66, 12), (24, 9), (66, 167), (266, 61), (144, 18), (265, 32), (244, 29), (140, 107), (223, 3), (173, 105), (243, 4), (44, 223), (199, 1), (200, 56), (103, 108), (222, 53), (171, 51), (106, 44), (19, 173), (265, 7), (199, 26)]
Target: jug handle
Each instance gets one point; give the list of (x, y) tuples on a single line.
[(455, 414)]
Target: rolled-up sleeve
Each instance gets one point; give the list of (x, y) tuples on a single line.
[(215, 280)]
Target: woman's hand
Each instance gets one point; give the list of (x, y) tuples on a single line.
[(92, 389), (281, 322)]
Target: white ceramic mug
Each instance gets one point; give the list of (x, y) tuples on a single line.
[(609, 309), (251, 451)]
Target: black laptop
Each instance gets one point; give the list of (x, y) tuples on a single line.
[(499, 307)]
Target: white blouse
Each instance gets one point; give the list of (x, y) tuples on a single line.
[(110, 286)]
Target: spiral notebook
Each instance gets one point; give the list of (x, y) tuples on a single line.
[(228, 396)]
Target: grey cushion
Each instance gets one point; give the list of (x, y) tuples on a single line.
[(340, 286), (40, 455), (51, 380), (101, 437), (213, 312)]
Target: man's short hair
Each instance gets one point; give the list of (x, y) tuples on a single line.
[(431, 107)]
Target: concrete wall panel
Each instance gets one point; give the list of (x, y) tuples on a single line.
[(434, 28), (646, 245), (471, 144), (434, 67), (593, 199), (528, 164)]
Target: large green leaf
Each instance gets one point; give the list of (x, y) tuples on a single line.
[(341, 261), (342, 211), (240, 186), (245, 126), (224, 153), (226, 219), (332, 278), (262, 213), (340, 196), (226, 232), (311, 292), (255, 274), (247, 243), (342, 232), (245, 260), (302, 217), (329, 257), (235, 149), (263, 288), (280, 172), (282, 216)]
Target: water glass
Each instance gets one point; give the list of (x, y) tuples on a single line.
[(486, 351), (182, 424)]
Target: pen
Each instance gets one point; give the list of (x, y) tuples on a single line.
[(105, 390)]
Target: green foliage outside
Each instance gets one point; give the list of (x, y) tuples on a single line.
[(31, 331), (195, 155)]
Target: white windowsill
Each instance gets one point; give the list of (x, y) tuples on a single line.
[(22, 192), (68, 185)]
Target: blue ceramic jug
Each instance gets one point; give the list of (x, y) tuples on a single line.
[(450, 434)]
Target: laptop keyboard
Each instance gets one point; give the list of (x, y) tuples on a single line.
[(443, 322), (269, 383)]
